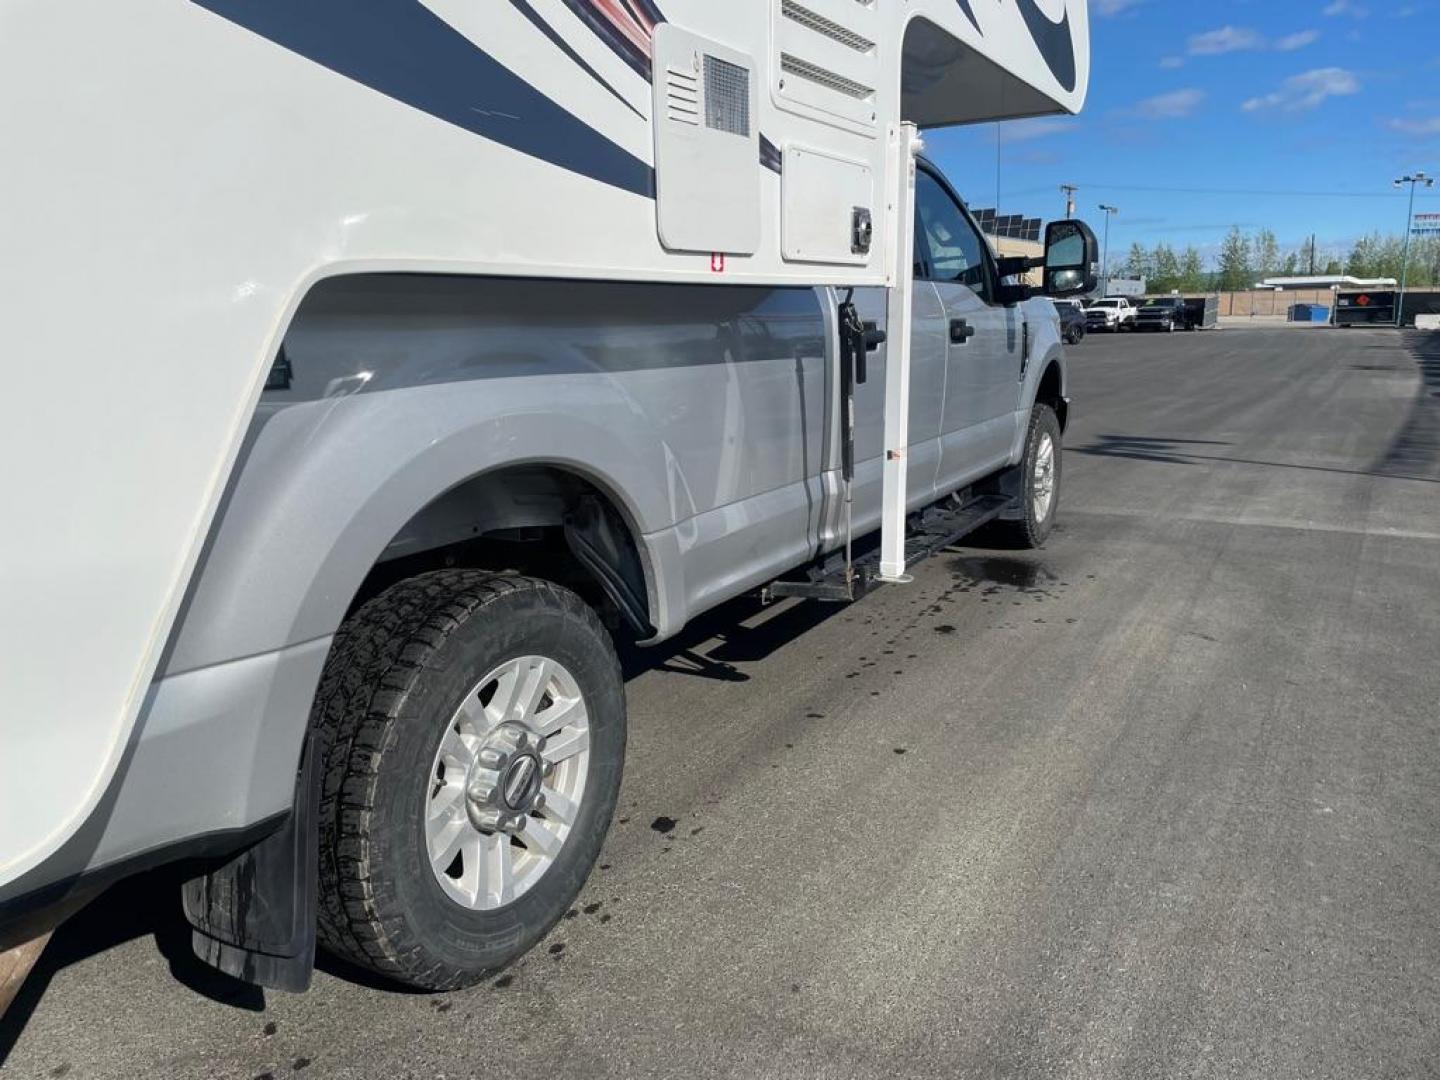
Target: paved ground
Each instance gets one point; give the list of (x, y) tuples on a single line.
[(1160, 801)]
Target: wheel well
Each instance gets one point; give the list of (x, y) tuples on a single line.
[(539, 520), (1050, 392)]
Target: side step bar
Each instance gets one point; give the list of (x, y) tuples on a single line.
[(932, 531)]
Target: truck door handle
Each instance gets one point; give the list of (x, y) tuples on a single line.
[(960, 331)]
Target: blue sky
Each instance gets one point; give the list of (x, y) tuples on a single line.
[(1280, 113)]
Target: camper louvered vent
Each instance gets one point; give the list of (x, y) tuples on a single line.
[(727, 96), (793, 65), (827, 63), (682, 97), (707, 145), (843, 34)]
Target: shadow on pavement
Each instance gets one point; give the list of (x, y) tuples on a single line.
[(1415, 450), (1148, 448), (746, 631), (146, 904)]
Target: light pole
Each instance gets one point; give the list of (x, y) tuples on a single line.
[(1417, 177), (1068, 190), (1105, 258)]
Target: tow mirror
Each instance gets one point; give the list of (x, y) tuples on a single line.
[(1072, 259), (1014, 265)]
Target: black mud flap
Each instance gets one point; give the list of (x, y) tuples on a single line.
[(254, 916), (600, 543)]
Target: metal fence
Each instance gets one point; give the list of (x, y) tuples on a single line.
[(1276, 304)]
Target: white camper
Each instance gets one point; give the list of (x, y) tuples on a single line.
[(373, 363)]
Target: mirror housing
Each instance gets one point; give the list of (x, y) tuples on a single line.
[(1013, 266), (1072, 259)]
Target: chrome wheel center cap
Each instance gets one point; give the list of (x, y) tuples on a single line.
[(521, 783), (504, 782)]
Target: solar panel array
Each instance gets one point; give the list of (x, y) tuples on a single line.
[(1010, 226)]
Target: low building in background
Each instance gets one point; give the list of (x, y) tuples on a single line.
[(1325, 281)]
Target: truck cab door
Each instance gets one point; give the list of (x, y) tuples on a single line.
[(927, 382), (983, 340)]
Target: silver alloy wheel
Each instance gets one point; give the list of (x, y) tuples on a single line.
[(507, 782), (1042, 484)]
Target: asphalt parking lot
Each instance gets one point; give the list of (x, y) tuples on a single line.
[(1162, 800)]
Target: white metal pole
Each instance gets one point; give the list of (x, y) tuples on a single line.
[(1105, 259), (1428, 181), (1405, 254), (905, 144)]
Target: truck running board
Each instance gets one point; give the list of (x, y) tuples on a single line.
[(933, 530)]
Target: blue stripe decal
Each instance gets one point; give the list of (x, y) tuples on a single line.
[(1054, 40), (619, 44), (404, 51), (523, 6)]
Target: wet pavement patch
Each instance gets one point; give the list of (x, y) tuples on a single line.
[(998, 571)]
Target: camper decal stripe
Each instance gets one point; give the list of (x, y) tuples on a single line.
[(627, 26), (403, 50), (1054, 40), (523, 6)]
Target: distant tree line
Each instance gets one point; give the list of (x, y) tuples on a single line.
[(1245, 259)]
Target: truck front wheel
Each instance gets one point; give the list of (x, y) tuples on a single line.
[(478, 736), (1039, 481)]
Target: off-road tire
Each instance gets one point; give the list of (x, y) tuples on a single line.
[(1028, 531), (395, 674)]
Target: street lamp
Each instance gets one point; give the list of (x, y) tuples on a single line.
[(1416, 177), (1105, 258)]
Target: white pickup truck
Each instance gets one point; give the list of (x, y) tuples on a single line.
[(348, 441), (1111, 313)]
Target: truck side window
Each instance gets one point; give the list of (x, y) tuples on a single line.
[(956, 250)]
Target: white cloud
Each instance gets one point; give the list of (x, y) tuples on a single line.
[(1166, 106), (1172, 62), (1350, 8), (1297, 40), (1424, 128), (1105, 8), (1224, 40), (1307, 90)]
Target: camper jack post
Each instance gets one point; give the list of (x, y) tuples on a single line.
[(905, 146)]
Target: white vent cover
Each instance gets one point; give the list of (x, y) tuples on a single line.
[(827, 63), (707, 148)]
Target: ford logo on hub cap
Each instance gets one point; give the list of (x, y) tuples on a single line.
[(522, 781)]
